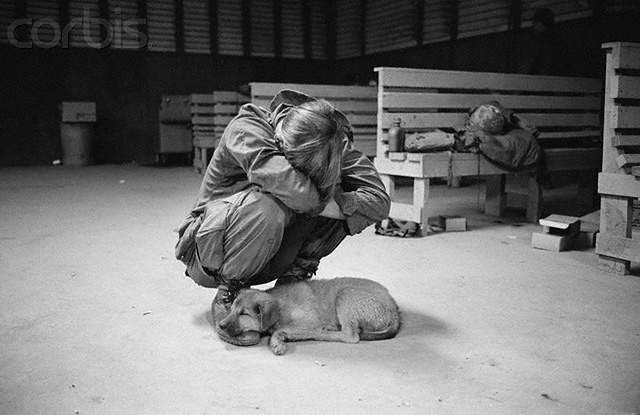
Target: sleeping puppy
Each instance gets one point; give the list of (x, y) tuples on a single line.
[(341, 310)]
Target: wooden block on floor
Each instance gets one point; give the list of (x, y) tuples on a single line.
[(561, 225), (550, 242), (452, 223)]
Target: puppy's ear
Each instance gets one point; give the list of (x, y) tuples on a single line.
[(267, 313)]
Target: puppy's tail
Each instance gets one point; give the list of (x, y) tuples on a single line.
[(388, 333)]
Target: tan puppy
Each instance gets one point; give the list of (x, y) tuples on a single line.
[(341, 310)]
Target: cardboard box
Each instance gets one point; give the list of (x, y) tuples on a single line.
[(78, 111), (175, 109), (550, 242), (452, 223)]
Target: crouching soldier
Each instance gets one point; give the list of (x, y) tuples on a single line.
[(283, 189)]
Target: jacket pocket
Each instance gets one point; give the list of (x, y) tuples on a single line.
[(209, 237)]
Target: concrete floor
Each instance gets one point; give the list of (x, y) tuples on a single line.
[(97, 317)]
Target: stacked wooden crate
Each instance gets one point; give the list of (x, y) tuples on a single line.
[(210, 114), (358, 103), (619, 182)]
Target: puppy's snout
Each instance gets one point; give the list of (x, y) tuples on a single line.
[(224, 324)]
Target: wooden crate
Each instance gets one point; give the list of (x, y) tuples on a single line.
[(210, 115), (619, 181), (562, 108), (358, 103)]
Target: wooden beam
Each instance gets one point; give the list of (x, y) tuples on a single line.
[(330, 18), (246, 27), (277, 28), (453, 20), (213, 27), (63, 11), (599, 9), (515, 11), (144, 28), (103, 11), (306, 28), (22, 32), (615, 225), (419, 21), (363, 27), (179, 25)]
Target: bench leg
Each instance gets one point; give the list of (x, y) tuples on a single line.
[(534, 198), (389, 184), (420, 197), (616, 220), (495, 195)]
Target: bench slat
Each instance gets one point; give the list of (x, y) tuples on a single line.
[(425, 78), (419, 121), (366, 146), (624, 55), (625, 117), (416, 100), (214, 109), (215, 120), (469, 164), (202, 98), (229, 96), (626, 140), (625, 87), (263, 89), (360, 119), (624, 185), (346, 107)]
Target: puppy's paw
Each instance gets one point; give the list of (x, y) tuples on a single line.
[(277, 345)]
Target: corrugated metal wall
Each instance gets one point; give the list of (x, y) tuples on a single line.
[(360, 27)]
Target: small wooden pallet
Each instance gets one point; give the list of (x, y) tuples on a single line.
[(558, 234)]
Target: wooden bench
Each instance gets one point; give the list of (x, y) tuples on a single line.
[(619, 182), (210, 114), (358, 103), (566, 110)]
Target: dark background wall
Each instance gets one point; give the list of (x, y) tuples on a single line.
[(127, 85)]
